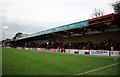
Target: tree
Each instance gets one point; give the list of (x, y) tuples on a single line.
[(8, 39), (116, 6), (17, 35), (5, 42), (97, 13)]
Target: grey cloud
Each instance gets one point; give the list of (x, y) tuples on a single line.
[(25, 26)]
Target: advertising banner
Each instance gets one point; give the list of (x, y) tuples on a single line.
[(67, 50), (43, 49), (19, 48), (26, 48), (34, 48), (115, 53), (38, 49), (53, 50), (30, 48), (99, 52), (105, 52), (83, 51), (74, 50)]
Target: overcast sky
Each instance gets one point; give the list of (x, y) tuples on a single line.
[(30, 16)]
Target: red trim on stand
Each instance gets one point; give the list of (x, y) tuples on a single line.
[(102, 19)]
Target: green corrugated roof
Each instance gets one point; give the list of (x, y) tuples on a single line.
[(58, 29)]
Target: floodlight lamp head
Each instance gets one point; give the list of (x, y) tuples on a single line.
[(5, 27)]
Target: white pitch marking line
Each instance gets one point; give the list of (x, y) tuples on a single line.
[(116, 59), (97, 69)]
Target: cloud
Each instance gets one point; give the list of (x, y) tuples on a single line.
[(25, 26), (52, 10)]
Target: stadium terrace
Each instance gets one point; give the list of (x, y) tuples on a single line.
[(97, 36)]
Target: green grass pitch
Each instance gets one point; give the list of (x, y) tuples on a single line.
[(29, 62)]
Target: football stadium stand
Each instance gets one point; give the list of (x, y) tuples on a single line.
[(93, 36)]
